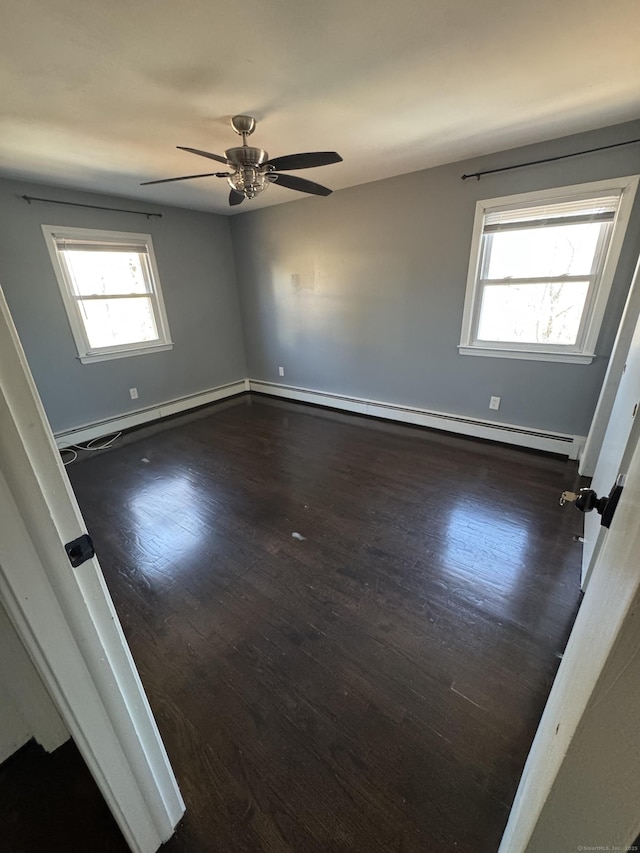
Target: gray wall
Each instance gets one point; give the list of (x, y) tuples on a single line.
[(382, 274), (360, 293), (26, 709), (195, 261)]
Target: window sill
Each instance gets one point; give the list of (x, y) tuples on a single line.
[(529, 355), (123, 353)]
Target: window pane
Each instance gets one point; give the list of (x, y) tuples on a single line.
[(545, 313), (541, 252), (97, 273), (113, 322)]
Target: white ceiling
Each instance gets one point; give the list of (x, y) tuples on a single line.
[(96, 94)]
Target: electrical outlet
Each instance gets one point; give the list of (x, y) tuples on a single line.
[(494, 402), (281, 371), (133, 393)]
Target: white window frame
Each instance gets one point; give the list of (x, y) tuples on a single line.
[(87, 354), (583, 351)]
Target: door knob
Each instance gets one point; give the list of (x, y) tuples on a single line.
[(587, 500)]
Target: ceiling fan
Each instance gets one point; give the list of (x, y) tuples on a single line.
[(253, 171)]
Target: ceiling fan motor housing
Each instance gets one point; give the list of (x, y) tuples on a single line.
[(245, 155)]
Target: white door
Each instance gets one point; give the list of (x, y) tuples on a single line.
[(65, 619), (612, 457), (580, 787)]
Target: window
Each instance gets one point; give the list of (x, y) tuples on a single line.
[(111, 290), (541, 269)]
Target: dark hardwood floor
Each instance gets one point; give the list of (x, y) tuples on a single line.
[(50, 804), (374, 686)]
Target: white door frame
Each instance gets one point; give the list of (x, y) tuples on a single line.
[(580, 787), (615, 369), (615, 451), (66, 619)]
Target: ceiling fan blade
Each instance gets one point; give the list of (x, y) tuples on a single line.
[(185, 178), (204, 154), (235, 198), (300, 184), (305, 161)]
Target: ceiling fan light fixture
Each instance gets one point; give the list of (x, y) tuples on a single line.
[(248, 181)]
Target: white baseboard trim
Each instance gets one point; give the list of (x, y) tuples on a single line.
[(142, 416), (552, 442), (535, 439)]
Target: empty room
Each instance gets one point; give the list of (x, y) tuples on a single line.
[(319, 460)]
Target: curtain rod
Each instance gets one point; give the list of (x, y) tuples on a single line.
[(549, 159), (30, 198)]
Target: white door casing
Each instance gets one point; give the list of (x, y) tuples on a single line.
[(613, 457), (630, 315), (580, 787), (66, 619)]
